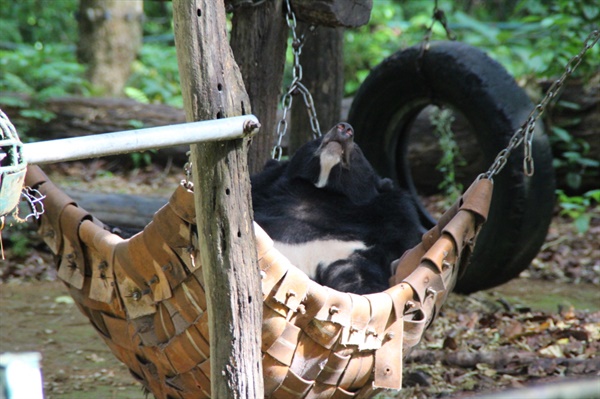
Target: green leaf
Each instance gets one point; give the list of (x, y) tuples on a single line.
[(136, 124), (562, 134), (569, 105), (548, 22), (12, 82), (593, 194), (64, 299), (41, 114), (573, 180), (582, 223), (590, 11), (592, 163), (13, 101), (572, 206), (136, 94)]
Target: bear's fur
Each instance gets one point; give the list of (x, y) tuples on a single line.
[(330, 213)]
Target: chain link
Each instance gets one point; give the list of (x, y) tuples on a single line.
[(527, 129), (437, 16), (296, 87), (187, 182)]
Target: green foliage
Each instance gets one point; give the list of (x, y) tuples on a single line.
[(518, 34), (141, 159), (571, 154), (442, 120), (368, 45), (40, 61), (136, 124), (155, 76), (35, 21), (20, 244), (39, 72), (580, 208), (19, 240), (158, 19), (42, 70), (136, 94), (560, 25)]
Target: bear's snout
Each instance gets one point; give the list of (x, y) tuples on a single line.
[(342, 132)]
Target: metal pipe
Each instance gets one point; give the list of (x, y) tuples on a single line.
[(139, 140)]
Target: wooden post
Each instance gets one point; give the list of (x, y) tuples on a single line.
[(322, 62), (259, 40), (212, 87)]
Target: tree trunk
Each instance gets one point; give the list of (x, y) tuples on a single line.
[(212, 87), (110, 36), (259, 41), (322, 63)]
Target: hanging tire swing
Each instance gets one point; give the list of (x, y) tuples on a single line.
[(465, 79)]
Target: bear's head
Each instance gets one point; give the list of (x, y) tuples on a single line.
[(336, 164)]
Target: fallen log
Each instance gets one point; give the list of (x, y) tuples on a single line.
[(130, 213)]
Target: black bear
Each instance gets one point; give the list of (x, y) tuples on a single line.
[(332, 216)]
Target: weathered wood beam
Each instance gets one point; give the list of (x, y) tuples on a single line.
[(259, 41), (331, 13), (212, 87)]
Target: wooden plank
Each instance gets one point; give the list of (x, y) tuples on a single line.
[(333, 13), (212, 87)]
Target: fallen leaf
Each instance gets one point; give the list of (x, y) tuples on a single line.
[(552, 351), (64, 299)]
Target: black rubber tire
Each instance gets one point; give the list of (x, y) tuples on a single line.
[(464, 78)]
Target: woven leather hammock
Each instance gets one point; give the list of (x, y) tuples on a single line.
[(145, 298)]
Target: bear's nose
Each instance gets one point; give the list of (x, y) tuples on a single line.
[(345, 130)]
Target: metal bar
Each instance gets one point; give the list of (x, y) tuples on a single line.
[(100, 145)]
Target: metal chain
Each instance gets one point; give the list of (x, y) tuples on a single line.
[(527, 129), (294, 88), (437, 16), (187, 182)]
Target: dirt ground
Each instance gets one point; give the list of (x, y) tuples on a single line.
[(543, 326)]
